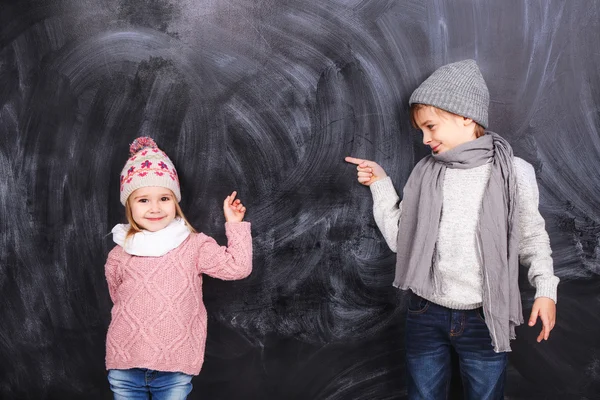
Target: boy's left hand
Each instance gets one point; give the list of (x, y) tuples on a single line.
[(234, 210), (545, 308)]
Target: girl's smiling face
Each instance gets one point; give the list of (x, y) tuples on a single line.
[(153, 207), (442, 130)]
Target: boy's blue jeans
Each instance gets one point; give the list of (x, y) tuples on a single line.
[(140, 383), (431, 332)]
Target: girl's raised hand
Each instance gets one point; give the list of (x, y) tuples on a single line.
[(233, 209), (368, 171)]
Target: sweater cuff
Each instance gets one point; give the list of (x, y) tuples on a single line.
[(383, 190), (242, 226), (546, 287)]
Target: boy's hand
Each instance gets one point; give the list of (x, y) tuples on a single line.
[(545, 308), (234, 210), (368, 171)]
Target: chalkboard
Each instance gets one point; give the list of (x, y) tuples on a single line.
[(267, 98)]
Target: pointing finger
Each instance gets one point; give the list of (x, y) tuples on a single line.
[(353, 160)]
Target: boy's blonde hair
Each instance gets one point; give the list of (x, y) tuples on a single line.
[(134, 227), (479, 130)]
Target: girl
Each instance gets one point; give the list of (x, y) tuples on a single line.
[(155, 341), (468, 216)]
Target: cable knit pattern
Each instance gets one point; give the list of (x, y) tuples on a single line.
[(459, 268), (158, 318)]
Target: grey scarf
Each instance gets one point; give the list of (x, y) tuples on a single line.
[(497, 233)]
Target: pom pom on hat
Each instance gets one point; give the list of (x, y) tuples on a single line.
[(141, 143)]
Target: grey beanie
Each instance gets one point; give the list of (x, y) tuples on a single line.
[(458, 88)]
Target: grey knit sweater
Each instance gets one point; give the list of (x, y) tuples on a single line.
[(459, 269)]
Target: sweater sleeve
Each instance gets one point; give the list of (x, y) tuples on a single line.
[(112, 272), (230, 262), (387, 210), (534, 246)]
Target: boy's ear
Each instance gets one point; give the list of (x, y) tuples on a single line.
[(467, 121)]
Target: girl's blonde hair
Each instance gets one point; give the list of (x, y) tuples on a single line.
[(134, 227), (479, 130)]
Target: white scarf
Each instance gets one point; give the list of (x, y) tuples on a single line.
[(151, 244)]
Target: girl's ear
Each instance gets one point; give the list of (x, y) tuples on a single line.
[(467, 121)]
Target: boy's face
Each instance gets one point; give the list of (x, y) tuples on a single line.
[(442, 130), (152, 208)]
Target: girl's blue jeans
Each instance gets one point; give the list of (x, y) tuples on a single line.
[(141, 383), (431, 333)]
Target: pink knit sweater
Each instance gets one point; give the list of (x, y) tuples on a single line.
[(158, 318)]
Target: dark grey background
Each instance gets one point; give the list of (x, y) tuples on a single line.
[(267, 97)]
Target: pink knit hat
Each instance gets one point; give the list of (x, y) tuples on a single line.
[(148, 166)]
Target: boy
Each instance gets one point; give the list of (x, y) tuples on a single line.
[(468, 216)]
